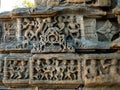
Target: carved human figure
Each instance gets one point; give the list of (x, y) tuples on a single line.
[(91, 70), (60, 24), (12, 70), (64, 68), (47, 24), (48, 70), (105, 69), (59, 74), (73, 69), (22, 70), (114, 69), (73, 28), (38, 69), (68, 74)]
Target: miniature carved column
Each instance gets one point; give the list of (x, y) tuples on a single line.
[(18, 28), (81, 22)]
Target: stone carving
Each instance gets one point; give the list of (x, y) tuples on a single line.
[(54, 69), (101, 70), (54, 3), (49, 34), (10, 32), (50, 46), (47, 3), (108, 30), (16, 70), (90, 30)]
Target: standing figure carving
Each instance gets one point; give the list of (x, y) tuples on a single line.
[(73, 28)]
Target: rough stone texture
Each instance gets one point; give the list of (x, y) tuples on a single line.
[(61, 45)]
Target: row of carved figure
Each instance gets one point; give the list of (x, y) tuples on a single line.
[(54, 69), (57, 70), (60, 33)]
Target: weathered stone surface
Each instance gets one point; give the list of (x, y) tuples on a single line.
[(57, 71), (61, 44), (101, 70)]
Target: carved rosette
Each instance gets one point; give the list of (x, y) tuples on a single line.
[(57, 71)]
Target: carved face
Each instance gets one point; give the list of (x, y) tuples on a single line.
[(71, 19), (72, 62), (38, 62), (38, 19)]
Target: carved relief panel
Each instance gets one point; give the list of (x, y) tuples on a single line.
[(58, 70), (107, 30), (10, 31), (16, 70), (52, 34), (102, 70)]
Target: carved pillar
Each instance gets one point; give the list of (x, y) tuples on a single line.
[(82, 27), (18, 28)]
